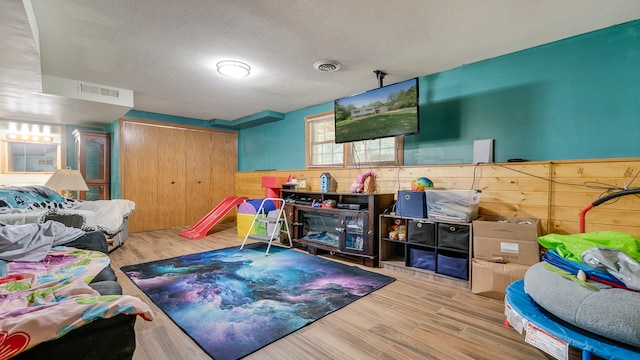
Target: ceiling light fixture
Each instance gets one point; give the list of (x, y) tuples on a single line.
[(233, 68)]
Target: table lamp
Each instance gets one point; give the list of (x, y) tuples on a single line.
[(67, 180)]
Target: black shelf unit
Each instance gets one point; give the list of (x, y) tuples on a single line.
[(350, 230)]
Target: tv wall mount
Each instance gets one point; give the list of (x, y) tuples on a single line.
[(380, 76)]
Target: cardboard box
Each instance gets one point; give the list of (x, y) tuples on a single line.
[(513, 240), (491, 279), (514, 251), (526, 229)]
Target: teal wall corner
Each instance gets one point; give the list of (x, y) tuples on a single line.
[(114, 169), (261, 118), (277, 145), (171, 119)]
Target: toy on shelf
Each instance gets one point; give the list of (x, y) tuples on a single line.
[(421, 183), (358, 185), (398, 231), (327, 183)]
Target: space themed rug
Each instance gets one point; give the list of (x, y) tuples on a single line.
[(233, 302)]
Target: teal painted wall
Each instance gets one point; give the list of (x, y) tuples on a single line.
[(277, 145), (577, 98), (573, 99)]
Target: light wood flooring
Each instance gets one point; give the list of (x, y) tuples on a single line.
[(412, 318)]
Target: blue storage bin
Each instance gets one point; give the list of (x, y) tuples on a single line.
[(452, 265), (411, 204), (422, 259)]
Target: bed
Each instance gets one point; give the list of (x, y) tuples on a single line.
[(37, 204), (60, 298)]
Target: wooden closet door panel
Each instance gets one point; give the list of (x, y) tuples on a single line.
[(153, 175), (170, 156), (139, 170), (199, 192), (175, 175), (224, 166)]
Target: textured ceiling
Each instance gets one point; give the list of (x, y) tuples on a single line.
[(165, 50)]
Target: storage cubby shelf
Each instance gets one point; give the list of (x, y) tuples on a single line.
[(437, 250)]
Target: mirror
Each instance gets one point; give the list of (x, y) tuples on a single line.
[(24, 156), (30, 147)]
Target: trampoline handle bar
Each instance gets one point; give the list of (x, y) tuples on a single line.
[(602, 200)]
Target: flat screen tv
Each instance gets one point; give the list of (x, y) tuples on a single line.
[(390, 110)]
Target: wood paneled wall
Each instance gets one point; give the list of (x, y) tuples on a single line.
[(554, 192)]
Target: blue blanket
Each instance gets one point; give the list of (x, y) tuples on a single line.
[(33, 197), (572, 266)]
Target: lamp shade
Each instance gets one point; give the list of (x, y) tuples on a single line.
[(67, 179)]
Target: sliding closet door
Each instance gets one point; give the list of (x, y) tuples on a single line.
[(211, 166), (200, 188), (175, 175), (171, 157), (153, 168), (224, 168)]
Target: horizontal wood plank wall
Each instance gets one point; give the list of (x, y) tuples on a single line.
[(554, 192), (577, 184)]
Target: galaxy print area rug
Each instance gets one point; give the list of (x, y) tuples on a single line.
[(233, 302)]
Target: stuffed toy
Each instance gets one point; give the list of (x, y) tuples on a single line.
[(398, 231), (358, 185)]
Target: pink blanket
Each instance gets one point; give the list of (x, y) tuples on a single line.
[(45, 300)]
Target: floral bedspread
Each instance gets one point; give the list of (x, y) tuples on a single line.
[(44, 300)]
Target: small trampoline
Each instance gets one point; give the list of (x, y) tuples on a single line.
[(522, 312)]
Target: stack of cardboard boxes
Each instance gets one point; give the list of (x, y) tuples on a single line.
[(503, 250)]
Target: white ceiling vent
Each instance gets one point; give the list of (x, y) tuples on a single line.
[(86, 91), (326, 65), (97, 90)]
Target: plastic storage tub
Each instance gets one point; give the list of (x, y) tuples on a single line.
[(452, 205)]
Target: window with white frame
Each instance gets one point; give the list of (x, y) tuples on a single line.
[(322, 151), (378, 151)]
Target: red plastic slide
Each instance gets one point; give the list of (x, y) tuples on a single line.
[(202, 227)]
